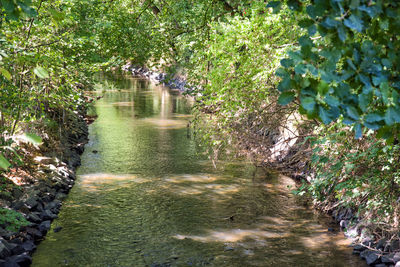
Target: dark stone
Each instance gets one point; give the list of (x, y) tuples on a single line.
[(10, 263), (47, 215), (4, 251), (39, 208), (388, 259), (28, 246), (54, 206), (3, 232), (61, 196), (395, 245), (368, 241), (396, 257), (330, 229), (57, 229), (35, 233), (44, 226), (381, 244), (371, 257), (5, 195), (17, 241), (34, 217), (18, 249), (31, 202), (10, 235), (24, 209), (12, 247), (17, 204), (380, 265), (21, 260)]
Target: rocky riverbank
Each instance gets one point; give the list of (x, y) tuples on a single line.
[(378, 251), (175, 83), (40, 200)]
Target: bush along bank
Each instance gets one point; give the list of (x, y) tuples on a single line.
[(356, 181), (28, 210)]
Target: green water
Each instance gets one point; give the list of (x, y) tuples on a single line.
[(144, 197)]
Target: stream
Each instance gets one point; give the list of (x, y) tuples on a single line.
[(145, 196)]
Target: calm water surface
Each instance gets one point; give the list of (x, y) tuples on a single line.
[(144, 197)]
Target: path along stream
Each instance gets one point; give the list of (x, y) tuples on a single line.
[(145, 197)]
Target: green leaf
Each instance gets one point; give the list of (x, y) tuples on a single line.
[(323, 88), (284, 85), (364, 101), (392, 115), (373, 117), (358, 131), (33, 138), (8, 5), (41, 72), (354, 22), (324, 115), (300, 69), (353, 113), (28, 10), (286, 97), (5, 73), (293, 4), (332, 101), (308, 103), (276, 6), (385, 132), (287, 62), (305, 41), (281, 72), (305, 23), (4, 163), (342, 33)]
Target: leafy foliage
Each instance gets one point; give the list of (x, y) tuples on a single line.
[(361, 174), (12, 220), (346, 64)]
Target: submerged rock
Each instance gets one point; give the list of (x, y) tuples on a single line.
[(44, 226)]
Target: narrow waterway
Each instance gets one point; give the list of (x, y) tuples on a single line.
[(145, 197)]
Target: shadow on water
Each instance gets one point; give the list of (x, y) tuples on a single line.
[(146, 198)]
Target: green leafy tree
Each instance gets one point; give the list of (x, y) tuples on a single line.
[(346, 66)]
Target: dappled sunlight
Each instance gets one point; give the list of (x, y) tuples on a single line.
[(322, 239), (80, 205), (185, 116), (118, 91), (123, 104), (166, 123), (233, 235), (94, 181), (178, 185), (194, 178)]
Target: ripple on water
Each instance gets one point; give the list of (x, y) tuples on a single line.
[(146, 198)]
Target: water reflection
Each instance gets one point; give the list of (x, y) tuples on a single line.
[(144, 197)]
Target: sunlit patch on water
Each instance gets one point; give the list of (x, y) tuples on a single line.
[(123, 104), (95, 181), (234, 235), (144, 197), (161, 123), (193, 178)]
